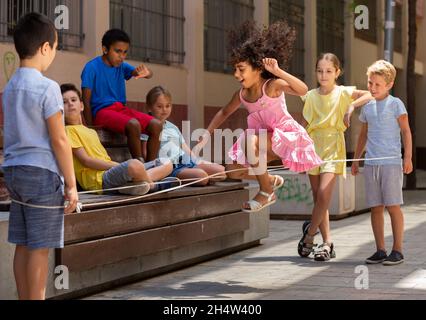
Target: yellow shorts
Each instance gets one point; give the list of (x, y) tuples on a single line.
[(329, 146), (337, 168)]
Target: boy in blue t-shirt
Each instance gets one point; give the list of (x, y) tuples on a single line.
[(37, 156), (104, 96), (384, 119)]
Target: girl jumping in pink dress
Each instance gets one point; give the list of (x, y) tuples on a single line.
[(256, 56)]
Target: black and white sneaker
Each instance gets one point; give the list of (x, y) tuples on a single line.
[(377, 257), (394, 258)]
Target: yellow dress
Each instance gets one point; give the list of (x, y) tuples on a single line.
[(324, 114), (80, 136)]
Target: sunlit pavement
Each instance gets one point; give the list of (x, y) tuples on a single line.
[(273, 270)]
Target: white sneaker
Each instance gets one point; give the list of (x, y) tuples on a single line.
[(135, 188)]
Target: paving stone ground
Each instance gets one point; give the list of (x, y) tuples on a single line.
[(273, 270)]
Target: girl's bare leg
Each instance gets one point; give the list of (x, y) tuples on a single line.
[(213, 169), (194, 173), (322, 202), (243, 171), (263, 156)]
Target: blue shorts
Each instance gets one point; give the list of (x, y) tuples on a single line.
[(35, 228), (177, 168)]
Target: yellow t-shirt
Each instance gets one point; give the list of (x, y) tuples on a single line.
[(84, 137), (324, 115)]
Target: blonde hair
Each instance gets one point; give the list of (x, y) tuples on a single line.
[(383, 68)]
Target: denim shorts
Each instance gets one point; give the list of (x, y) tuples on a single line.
[(35, 228), (177, 168), (118, 176), (383, 185)]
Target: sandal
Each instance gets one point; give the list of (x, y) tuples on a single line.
[(306, 224), (256, 206), (280, 179), (304, 249), (325, 252)]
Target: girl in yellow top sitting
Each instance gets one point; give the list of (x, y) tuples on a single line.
[(327, 112)]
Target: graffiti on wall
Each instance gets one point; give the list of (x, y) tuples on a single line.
[(295, 190), (9, 64)]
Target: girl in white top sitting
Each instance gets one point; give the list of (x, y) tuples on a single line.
[(173, 146)]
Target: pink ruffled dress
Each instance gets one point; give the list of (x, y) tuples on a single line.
[(290, 141)]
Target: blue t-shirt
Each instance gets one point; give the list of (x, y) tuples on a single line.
[(107, 83), (384, 133), (29, 99)]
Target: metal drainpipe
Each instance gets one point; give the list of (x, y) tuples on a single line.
[(389, 30)]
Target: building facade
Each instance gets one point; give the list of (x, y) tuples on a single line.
[(184, 43)]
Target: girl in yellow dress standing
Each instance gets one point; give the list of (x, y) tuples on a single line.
[(327, 111)]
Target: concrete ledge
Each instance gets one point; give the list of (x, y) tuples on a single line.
[(295, 201)]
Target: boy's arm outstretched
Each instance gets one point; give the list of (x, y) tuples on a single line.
[(87, 111), (362, 141), (62, 150), (360, 97), (407, 143), (287, 82)]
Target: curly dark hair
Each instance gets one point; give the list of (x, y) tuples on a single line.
[(250, 44)]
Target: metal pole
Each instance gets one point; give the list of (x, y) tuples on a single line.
[(389, 30)]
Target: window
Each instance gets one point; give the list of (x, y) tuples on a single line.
[(155, 28), (293, 12), (221, 16), (12, 10), (369, 34), (330, 27)]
